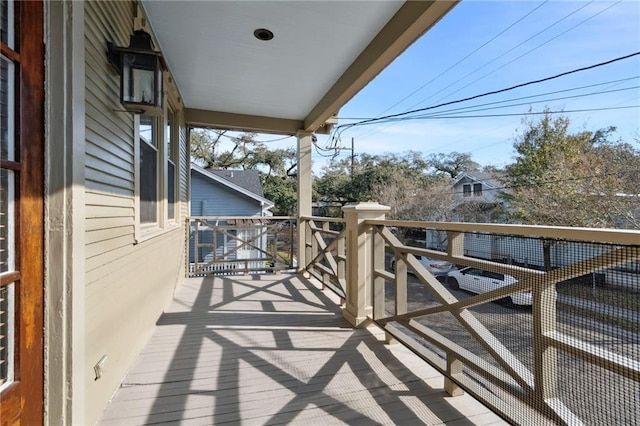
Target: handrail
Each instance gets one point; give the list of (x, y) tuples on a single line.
[(523, 381), (599, 235), (239, 244), (534, 387), (324, 219)]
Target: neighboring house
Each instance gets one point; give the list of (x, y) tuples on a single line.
[(476, 186), (228, 193), (476, 198), (94, 194)]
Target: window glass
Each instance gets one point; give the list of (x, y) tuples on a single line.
[(6, 109), (148, 170), (7, 329), (7, 221), (6, 22), (477, 189), (466, 190), (7, 178), (493, 275), (7, 196)]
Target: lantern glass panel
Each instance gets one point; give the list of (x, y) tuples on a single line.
[(139, 78)]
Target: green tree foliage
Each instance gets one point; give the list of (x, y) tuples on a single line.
[(208, 148), (343, 183), (452, 164), (572, 179), (416, 188), (214, 149)]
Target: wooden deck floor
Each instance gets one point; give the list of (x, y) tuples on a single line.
[(274, 349)]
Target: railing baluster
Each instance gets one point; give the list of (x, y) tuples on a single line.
[(545, 356), (401, 285), (454, 371), (379, 309), (196, 246), (308, 235)]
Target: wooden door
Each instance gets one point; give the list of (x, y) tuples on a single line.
[(21, 212)]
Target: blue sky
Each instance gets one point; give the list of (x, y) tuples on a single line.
[(482, 46)]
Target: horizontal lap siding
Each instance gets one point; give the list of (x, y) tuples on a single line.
[(128, 284), (109, 162), (219, 200)]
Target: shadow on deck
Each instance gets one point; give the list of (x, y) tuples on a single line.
[(274, 349)]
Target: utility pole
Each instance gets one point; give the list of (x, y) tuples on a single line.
[(353, 156)]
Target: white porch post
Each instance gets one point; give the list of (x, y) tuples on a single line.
[(65, 362), (359, 260), (305, 140)]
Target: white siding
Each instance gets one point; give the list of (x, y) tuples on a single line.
[(127, 284)]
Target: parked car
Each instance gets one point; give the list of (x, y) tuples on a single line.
[(438, 268), (480, 281)]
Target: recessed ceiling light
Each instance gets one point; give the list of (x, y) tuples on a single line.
[(263, 34)]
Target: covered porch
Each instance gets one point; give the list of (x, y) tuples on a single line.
[(275, 349), (279, 348)]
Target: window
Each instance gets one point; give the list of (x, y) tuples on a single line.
[(466, 190), (156, 172), (493, 275), (171, 163), (148, 144), (7, 214), (477, 189)]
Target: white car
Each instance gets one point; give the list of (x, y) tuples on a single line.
[(437, 268), (481, 281)]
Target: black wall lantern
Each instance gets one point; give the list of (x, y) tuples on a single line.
[(140, 69)]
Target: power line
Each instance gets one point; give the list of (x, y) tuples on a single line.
[(508, 51), (476, 108), (338, 129), (529, 51), (539, 95), (503, 54), (231, 137), (516, 114), (612, 83), (466, 57), (276, 140)]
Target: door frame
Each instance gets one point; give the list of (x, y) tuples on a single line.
[(23, 400)]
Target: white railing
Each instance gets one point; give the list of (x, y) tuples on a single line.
[(325, 247), (571, 357), (239, 244)]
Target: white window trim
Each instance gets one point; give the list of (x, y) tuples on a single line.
[(145, 231), (175, 137), (136, 178), (163, 224)]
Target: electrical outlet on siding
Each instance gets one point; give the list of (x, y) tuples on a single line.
[(99, 367)]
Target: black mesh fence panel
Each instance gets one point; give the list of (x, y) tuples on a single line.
[(561, 346)]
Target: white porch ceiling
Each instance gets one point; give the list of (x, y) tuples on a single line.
[(322, 53)]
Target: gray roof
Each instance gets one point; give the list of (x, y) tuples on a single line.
[(228, 178), (488, 178), (247, 179)]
